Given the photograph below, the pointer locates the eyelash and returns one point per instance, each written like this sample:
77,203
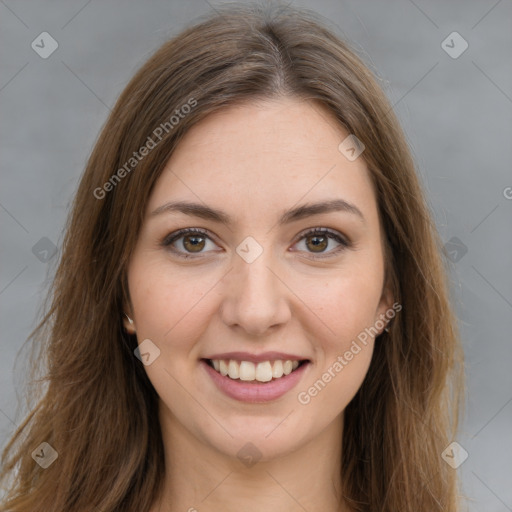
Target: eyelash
345,243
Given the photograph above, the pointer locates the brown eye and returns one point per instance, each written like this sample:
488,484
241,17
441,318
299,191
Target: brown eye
193,241
317,243
317,240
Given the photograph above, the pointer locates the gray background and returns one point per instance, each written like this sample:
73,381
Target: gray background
456,113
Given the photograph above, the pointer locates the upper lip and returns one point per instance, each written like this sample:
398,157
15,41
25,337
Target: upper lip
257,358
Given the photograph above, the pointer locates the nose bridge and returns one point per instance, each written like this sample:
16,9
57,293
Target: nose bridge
255,280
255,299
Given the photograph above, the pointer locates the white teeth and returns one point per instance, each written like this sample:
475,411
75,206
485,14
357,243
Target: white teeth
264,371
223,368
277,370
249,371
233,369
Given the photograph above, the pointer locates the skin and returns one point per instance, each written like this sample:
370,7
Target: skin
254,161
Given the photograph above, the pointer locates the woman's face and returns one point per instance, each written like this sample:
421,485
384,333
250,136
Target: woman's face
265,281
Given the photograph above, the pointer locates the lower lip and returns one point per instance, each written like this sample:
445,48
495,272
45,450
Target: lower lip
255,392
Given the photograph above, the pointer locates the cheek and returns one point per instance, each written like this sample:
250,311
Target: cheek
169,304
345,303
346,306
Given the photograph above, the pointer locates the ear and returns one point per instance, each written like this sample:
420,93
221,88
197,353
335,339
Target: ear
385,310
127,311
128,323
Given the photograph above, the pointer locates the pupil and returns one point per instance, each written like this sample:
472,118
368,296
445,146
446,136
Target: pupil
319,245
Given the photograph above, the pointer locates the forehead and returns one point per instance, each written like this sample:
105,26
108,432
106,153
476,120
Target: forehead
266,155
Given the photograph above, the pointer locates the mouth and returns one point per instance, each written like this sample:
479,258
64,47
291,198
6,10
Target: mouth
248,371
255,382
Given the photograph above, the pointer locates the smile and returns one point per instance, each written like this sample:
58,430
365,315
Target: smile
249,381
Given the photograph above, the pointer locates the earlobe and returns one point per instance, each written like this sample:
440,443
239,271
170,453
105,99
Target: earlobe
383,321
129,326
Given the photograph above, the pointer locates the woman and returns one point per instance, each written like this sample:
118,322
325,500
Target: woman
251,307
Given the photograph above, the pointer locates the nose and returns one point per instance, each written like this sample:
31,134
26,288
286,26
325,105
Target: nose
255,297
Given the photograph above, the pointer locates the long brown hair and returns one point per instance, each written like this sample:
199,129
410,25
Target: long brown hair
98,409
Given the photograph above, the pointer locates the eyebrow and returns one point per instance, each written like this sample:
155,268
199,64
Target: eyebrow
295,214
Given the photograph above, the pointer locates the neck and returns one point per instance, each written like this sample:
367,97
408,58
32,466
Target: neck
202,479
